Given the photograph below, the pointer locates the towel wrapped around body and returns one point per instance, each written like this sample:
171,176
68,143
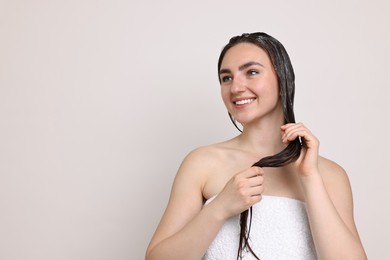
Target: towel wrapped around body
280,230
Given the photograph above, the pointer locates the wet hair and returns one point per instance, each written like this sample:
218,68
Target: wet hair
286,83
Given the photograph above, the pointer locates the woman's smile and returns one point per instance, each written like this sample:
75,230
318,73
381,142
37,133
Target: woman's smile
240,103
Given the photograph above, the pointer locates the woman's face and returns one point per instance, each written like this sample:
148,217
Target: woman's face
249,86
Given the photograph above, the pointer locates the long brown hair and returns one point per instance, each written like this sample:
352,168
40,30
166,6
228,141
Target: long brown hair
286,81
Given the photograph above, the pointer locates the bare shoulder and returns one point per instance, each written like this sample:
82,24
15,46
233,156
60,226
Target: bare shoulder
333,174
212,166
201,160
196,167
200,155
338,186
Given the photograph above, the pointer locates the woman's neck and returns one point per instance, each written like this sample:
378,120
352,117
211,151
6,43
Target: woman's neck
262,138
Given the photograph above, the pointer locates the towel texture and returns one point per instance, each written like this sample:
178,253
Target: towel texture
280,230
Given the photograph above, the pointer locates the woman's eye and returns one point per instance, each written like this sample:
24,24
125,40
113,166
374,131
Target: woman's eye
226,78
252,72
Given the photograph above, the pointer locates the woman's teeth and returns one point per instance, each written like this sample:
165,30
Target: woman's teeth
244,101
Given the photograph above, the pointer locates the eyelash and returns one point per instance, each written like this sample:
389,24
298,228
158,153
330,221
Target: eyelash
226,78
250,72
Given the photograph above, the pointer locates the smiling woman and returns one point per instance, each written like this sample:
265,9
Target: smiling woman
244,67
266,193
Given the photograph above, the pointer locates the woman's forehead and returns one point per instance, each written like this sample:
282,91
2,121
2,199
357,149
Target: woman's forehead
244,52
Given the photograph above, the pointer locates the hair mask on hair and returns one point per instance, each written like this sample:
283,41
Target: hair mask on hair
286,82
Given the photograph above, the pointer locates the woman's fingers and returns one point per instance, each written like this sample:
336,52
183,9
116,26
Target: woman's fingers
246,187
253,171
291,131
254,183
242,191
251,177
307,162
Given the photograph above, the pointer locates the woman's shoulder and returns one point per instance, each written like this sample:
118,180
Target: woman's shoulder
330,169
208,155
335,177
207,159
199,163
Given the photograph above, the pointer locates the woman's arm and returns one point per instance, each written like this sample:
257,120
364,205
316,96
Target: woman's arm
187,228
330,210
328,200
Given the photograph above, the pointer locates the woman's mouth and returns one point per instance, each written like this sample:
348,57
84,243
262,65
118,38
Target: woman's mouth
244,101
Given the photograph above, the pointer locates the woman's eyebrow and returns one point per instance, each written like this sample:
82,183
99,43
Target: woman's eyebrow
224,71
248,64
242,67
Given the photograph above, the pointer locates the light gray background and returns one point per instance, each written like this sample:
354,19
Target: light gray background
101,100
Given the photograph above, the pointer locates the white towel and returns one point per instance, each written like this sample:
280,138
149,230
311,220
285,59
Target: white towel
280,231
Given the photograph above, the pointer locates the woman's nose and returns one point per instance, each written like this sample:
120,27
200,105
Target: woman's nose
238,86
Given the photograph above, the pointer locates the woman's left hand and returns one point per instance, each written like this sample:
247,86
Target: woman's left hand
307,163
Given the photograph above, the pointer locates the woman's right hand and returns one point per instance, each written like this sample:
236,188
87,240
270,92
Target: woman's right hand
242,191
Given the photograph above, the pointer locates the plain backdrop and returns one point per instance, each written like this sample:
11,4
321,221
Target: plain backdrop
101,100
